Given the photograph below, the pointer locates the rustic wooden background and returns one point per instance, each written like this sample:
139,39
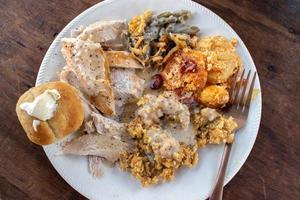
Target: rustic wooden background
269,28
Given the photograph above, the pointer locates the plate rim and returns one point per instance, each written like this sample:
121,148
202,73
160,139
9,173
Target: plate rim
236,168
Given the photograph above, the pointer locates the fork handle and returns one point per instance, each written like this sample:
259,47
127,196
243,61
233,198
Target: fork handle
217,191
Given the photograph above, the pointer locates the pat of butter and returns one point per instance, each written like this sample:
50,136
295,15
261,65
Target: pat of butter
43,106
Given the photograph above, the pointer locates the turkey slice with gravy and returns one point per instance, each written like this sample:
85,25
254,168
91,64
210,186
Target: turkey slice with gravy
96,145
68,75
127,87
107,33
126,84
106,126
89,63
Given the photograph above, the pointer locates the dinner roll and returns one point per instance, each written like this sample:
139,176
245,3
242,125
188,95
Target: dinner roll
67,117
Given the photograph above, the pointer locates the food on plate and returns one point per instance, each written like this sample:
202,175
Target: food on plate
152,171
186,70
164,108
88,61
122,59
148,95
222,58
68,75
96,145
213,96
107,33
213,128
77,31
95,166
114,132
149,35
137,24
126,84
156,82
127,87
106,126
157,155
47,112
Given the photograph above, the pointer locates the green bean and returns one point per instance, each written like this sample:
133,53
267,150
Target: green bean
164,14
184,14
170,28
152,33
190,30
166,20
161,25
162,31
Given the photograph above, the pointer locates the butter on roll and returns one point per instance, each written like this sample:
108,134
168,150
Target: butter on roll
43,106
50,112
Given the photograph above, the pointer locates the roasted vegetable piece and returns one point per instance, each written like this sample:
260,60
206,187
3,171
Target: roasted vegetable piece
213,96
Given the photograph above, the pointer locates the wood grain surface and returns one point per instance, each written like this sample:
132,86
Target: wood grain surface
270,30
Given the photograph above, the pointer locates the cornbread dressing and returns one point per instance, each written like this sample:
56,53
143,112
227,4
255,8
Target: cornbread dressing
213,128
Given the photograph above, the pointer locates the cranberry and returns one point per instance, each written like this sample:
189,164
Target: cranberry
188,66
156,82
178,91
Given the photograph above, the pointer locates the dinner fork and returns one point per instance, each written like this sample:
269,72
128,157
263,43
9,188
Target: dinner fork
239,104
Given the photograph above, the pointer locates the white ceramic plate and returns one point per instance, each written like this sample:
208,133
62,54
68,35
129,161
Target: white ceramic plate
193,184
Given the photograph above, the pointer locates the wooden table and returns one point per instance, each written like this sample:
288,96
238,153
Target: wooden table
268,28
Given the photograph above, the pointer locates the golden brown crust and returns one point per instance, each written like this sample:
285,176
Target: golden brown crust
67,118
44,134
222,58
106,102
122,59
213,96
175,77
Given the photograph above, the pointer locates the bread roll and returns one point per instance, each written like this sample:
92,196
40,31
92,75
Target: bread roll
67,118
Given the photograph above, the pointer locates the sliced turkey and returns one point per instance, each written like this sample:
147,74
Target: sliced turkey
69,76
109,127
96,145
89,63
108,33
127,87
126,84
122,59
95,165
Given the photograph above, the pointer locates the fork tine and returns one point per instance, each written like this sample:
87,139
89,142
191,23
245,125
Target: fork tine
249,96
241,99
233,84
237,89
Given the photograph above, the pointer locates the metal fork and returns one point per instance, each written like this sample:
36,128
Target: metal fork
238,108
